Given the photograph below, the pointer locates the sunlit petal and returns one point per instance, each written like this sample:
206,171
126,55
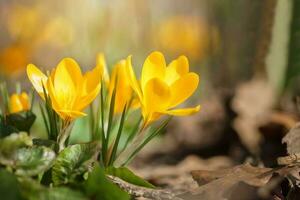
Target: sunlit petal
176,69
154,67
73,70
157,96
52,94
183,111
101,63
183,88
70,114
25,100
132,78
82,102
91,80
36,77
15,104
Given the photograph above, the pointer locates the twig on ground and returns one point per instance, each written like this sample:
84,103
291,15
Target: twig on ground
138,191
287,160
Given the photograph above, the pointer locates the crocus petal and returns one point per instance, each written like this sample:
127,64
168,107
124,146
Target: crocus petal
122,86
176,69
73,70
51,92
183,111
37,78
91,79
101,62
154,67
15,105
157,96
65,84
132,78
70,114
24,100
183,88
82,102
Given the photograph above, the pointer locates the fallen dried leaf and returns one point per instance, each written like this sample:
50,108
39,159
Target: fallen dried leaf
253,103
292,140
239,182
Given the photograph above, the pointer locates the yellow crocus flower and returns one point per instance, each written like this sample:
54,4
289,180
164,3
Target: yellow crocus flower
124,92
162,87
69,90
101,63
19,102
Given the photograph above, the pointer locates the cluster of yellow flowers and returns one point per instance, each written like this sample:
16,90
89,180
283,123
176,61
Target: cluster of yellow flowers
160,89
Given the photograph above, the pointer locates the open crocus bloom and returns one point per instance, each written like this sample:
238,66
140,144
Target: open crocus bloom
70,91
163,87
19,102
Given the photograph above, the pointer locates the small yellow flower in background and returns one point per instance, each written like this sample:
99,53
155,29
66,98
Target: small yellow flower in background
70,91
13,59
24,22
19,102
189,35
162,87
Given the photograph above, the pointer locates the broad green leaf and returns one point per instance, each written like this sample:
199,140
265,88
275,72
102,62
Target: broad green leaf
10,144
61,193
9,188
17,152
21,120
73,161
128,176
32,190
99,187
32,161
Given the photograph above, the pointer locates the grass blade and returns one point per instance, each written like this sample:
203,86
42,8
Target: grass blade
45,119
147,140
133,133
116,144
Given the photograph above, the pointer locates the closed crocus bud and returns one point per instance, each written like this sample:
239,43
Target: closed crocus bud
19,102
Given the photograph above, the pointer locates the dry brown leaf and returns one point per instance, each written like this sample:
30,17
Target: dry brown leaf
292,140
239,182
253,103
177,177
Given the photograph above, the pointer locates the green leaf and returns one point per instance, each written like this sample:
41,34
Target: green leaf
21,120
17,152
61,193
153,134
117,140
74,161
34,191
128,176
10,144
99,188
32,161
9,188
